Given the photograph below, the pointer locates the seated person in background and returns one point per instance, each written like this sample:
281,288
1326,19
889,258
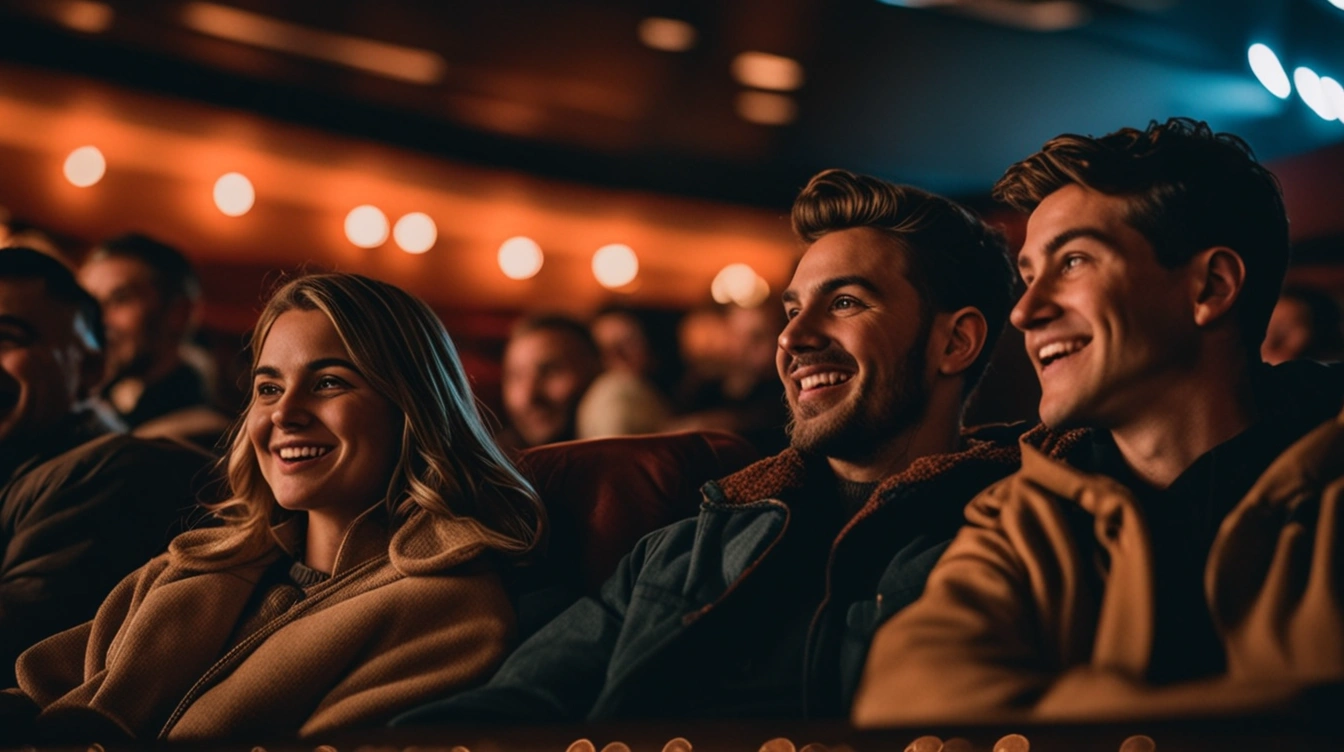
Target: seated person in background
151,302
548,364
748,398
1305,324
764,604
640,366
1158,554
81,504
379,584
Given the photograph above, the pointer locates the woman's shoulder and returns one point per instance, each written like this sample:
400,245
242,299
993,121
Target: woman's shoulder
428,544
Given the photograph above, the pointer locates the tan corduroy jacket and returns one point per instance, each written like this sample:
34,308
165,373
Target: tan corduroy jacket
1007,630
405,617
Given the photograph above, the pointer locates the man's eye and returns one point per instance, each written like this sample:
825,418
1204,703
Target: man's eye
1072,261
790,313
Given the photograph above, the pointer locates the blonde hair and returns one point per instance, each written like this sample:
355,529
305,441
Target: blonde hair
449,465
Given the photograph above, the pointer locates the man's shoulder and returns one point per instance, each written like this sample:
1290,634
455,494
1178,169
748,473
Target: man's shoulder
115,457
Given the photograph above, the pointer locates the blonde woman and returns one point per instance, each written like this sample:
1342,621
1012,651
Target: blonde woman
356,572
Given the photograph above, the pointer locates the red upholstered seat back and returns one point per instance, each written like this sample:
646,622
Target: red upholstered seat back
603,495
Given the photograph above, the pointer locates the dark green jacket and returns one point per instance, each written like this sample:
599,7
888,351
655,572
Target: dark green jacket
628,652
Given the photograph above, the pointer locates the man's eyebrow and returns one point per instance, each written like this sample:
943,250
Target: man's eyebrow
1063,239
316,365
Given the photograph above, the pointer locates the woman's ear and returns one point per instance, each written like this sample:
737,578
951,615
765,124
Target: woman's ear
963,337
1218,277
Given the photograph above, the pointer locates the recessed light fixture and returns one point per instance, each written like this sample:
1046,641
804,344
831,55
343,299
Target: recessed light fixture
415,232
615,265
85,166
1267,68
366,226
667,34
761,70
520,258
234,194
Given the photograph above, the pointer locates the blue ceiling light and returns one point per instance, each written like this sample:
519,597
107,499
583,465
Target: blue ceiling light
1266,66
1338,4
1309,88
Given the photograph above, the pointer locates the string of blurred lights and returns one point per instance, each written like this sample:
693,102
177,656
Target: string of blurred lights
1323,94
615,266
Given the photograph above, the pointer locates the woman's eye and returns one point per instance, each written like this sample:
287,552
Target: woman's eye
329,382
267,390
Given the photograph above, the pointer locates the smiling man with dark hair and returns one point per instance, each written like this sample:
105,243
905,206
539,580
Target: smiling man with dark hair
764,604
1171,543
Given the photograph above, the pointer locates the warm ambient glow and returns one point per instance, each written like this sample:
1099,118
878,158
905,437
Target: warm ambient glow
371,56
366,226
85,166
415,232
84,15
667,34
740,284
762,70
234,194
1309,89
1266,66
520,258
615,265
764,108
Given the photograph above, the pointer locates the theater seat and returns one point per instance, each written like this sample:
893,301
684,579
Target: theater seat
603,495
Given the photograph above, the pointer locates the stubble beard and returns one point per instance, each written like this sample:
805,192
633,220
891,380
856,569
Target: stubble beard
859,426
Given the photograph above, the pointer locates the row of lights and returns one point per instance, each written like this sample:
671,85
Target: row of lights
1323,94
764,75
366,226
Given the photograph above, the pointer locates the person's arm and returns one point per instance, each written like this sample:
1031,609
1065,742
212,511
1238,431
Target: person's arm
78,524
558,673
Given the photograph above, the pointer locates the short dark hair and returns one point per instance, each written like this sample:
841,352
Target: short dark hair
554,322
1188,189
952,258
18,262
173,274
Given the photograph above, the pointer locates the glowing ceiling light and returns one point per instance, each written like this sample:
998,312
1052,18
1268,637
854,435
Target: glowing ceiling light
1338,4
1266,66
764,108
1334,94
415,232
366,226
615,265
667,34
1309,88
84,15
520,258
234,194
762,70
85,166
740,284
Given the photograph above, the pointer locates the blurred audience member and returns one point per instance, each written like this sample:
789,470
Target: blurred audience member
549,362
641,364
1305,324
151,304
749,398
80,505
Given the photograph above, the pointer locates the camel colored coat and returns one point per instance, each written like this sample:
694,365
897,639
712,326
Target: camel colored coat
1008,630
405,616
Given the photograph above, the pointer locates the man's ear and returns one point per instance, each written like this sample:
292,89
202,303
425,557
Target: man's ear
1218,277
963,337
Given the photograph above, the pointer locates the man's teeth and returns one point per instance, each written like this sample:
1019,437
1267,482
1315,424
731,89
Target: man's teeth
830,378
1057,350
301,453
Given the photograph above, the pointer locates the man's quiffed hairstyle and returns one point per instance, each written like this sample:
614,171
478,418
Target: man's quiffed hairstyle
952,258
1188,189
